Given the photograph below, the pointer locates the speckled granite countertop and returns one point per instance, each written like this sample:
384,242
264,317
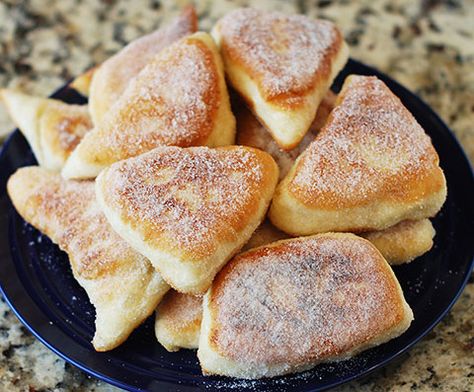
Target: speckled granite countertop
426,45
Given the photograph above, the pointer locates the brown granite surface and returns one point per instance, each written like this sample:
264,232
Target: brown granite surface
426,45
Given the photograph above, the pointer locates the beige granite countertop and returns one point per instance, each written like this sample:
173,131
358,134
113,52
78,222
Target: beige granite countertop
426,45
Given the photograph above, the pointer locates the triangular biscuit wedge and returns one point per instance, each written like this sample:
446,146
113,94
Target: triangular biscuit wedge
122,284
178,321
287,306
25,111
113,75
179,98
282,65
403,242
189,210
251,133
52,128
371,167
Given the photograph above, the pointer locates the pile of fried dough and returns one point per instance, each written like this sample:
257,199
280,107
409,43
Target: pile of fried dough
216,179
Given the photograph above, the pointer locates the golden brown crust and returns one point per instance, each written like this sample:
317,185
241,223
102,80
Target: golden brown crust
121,284
95,249
113,76
178,99
303,301
371,148
166,107
188,201
180,312
62,126
403,242
178,321
286,55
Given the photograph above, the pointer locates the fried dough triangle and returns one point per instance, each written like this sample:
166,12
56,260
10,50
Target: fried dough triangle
290,305
282,65
179,98
111,78
52,128
371,167
121,284
189,210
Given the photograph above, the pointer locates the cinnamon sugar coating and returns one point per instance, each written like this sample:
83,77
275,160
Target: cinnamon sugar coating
179,98
111,78
121,284
188,210
295,303
370,147
287,55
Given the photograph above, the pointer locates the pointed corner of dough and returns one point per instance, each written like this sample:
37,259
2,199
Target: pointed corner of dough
25,110
18,186
82,83
189,15
112,327
22,185
22,108
78,168
119,312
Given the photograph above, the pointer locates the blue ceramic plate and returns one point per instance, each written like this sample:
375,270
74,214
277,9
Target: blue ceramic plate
37,283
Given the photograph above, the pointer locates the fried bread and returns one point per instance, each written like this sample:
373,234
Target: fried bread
189,210
281,65
371,167
251,133
111,78
290,305
52,128
403,242
178,321
121,284
179,98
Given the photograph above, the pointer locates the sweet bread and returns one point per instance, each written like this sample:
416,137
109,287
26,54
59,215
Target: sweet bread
281,65
178,321
121,284
189,210
52,128
290,305
111,78
403,242
179,98
371,167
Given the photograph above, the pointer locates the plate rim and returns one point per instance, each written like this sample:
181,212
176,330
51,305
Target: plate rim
427,329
